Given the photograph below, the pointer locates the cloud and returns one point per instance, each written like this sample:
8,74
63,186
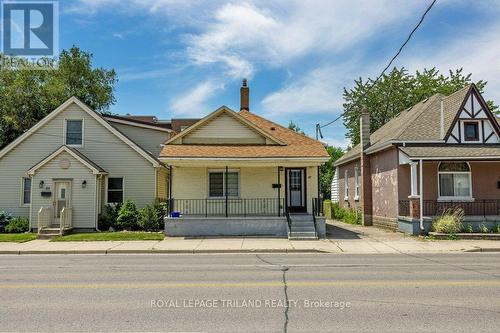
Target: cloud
193,103
245,37
342,142
318,91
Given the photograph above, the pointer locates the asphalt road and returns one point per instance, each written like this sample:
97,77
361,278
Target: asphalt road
251,293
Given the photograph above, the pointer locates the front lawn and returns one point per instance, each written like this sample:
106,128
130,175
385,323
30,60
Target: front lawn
17,238
110,236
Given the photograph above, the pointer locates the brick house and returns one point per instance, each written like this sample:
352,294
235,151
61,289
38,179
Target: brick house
441,153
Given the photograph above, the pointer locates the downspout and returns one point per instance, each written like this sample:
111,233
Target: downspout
318,208
97,203
279,191
32,177
421,181
170,201
225,176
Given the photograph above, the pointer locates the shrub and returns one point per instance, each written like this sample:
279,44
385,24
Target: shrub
496,228
347,215
162,208
450,222
483,228
18,225
127,216
5,217
4,220
327,209
108,217
468,228
150,218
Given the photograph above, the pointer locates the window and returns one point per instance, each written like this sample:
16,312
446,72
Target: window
74,132
471,131
26,196
454,180
346,185
356,183
115,190
217,184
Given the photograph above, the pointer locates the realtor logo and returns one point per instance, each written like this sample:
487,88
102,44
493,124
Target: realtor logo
30,28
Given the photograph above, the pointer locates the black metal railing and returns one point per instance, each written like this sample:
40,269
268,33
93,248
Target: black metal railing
228,207
288,220
487,207
317,205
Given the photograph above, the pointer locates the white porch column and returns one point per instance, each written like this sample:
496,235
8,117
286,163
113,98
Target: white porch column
414,179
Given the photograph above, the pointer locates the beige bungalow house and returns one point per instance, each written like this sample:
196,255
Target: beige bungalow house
61,173
236,173
442,153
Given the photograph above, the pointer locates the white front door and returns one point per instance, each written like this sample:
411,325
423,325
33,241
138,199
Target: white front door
61,198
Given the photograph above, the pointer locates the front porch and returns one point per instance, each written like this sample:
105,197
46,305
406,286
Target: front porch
244,199
243,216
51,225
434,187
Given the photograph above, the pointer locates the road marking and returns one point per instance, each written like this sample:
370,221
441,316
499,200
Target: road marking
356,284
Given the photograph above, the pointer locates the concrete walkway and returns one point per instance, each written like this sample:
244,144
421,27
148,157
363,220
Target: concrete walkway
341,238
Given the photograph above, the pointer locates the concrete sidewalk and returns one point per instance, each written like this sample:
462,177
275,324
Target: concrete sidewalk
341,238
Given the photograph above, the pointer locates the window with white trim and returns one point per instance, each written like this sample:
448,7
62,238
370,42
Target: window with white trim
217,184
26,196
115,190
356,183
74,132
454,180
346,184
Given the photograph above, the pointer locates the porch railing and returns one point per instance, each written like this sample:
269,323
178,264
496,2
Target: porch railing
44,217
317,206
228,207
66,221
488,207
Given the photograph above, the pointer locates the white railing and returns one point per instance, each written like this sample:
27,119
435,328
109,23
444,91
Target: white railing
44,218
66,219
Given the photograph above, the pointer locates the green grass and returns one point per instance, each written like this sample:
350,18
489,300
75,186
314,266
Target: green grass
110,236
17,238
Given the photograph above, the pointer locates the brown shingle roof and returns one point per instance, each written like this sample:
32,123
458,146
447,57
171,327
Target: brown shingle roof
296,145
421,122
452,152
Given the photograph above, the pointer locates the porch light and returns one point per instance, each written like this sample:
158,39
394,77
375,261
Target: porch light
84,184
41,184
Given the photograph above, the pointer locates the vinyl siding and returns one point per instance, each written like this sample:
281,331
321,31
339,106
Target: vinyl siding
149,139
224,129
162,186
100,145
82,200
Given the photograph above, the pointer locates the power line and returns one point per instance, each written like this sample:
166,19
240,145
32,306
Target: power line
319,127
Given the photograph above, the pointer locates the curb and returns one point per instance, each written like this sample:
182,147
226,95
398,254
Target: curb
105,252
484,249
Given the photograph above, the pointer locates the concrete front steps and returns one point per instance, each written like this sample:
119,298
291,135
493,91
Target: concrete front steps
51,232
302,227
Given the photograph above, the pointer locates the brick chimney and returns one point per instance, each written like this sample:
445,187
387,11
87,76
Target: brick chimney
366,176
245,96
